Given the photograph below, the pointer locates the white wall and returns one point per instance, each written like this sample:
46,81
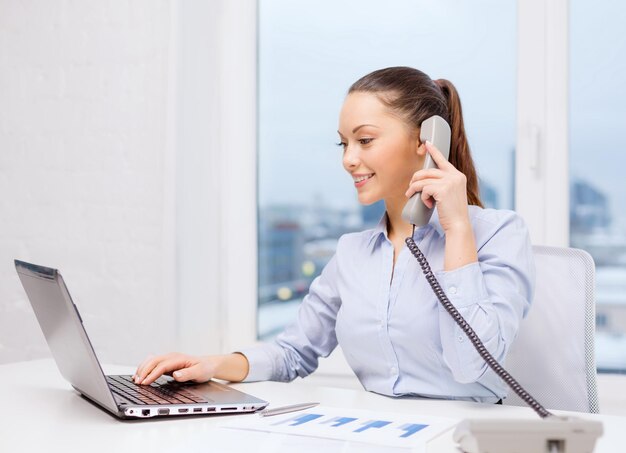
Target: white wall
127,156
87,169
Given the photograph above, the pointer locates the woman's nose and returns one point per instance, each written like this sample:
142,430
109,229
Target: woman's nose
350,158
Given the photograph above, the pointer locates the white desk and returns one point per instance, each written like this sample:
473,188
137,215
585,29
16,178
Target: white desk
42,412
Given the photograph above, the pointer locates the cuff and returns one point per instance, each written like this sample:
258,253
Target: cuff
464,286
260,363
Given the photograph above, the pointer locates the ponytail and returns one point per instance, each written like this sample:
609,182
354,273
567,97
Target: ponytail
460,155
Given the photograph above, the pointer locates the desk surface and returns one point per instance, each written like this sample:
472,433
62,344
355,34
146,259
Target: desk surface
43,413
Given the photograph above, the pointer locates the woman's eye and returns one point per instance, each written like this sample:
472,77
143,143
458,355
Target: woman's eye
365,141
342,144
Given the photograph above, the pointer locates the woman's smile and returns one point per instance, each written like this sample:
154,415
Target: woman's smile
361,179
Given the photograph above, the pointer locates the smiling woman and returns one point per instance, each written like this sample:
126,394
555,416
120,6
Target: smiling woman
325,47
380,152
383,153
370,298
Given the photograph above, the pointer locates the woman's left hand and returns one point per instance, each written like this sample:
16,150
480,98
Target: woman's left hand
447,186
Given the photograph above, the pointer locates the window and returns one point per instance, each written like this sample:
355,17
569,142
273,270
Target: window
309,54
597,162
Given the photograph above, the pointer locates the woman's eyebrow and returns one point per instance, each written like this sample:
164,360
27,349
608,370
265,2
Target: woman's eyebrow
359,127
363,125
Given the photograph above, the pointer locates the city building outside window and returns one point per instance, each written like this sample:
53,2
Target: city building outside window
597,165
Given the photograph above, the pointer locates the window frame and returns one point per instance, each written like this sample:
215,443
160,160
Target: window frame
542,120
214,65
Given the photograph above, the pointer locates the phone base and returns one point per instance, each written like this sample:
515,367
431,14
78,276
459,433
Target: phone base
550,435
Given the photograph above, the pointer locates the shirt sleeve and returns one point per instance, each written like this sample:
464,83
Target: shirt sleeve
296,351
493,295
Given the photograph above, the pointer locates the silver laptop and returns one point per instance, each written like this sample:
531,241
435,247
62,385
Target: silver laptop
64,331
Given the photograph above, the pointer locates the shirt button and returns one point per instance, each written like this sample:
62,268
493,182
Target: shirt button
393,370
452,290
460,338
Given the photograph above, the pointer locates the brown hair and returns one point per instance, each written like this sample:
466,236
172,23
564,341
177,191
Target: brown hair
416,97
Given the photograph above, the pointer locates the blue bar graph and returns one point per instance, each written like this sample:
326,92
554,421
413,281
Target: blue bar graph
372,427
299,420
411,428
372,424
338,421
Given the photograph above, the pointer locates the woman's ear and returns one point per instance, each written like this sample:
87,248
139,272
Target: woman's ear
421,149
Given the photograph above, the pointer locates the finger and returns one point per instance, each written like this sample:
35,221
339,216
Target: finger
427,173
427,199
147,369
439,158
196,373
147,366
141,372
165,366
153,375
418,186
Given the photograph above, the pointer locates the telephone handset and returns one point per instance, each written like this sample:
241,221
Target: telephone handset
437,131
559,434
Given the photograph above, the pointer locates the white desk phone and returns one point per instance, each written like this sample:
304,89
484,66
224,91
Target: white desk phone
552,434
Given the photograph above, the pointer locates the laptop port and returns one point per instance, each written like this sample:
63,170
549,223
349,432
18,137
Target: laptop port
145,412
164,411
182,411
228,409
197,409
210,409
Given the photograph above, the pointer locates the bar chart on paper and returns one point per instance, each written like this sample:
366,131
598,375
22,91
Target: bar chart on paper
389,429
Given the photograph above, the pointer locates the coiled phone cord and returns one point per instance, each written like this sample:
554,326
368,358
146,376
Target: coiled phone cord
467,329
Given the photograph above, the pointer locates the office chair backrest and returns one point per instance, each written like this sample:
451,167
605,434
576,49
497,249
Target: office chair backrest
553,354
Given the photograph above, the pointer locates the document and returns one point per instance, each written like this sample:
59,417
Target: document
362,426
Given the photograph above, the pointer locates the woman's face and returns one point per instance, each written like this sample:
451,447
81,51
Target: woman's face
380,149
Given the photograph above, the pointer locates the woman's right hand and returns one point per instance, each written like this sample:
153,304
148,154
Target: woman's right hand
183,367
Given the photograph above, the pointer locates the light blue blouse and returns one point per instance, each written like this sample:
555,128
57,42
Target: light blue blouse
393,331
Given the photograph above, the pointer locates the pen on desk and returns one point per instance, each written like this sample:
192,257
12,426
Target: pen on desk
286,409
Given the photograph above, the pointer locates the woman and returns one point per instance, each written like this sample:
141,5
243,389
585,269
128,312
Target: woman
372,298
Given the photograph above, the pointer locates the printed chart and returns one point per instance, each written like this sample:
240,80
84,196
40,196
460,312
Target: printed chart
388,429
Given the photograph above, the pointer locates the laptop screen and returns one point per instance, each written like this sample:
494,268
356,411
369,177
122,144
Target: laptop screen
62,326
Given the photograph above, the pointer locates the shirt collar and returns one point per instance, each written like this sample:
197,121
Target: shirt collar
381,228
378,230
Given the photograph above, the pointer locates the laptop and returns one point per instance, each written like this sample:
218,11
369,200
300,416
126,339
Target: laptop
71,348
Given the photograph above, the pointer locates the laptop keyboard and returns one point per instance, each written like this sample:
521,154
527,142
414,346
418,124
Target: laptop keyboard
154,393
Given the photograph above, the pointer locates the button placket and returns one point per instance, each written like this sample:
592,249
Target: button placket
383,313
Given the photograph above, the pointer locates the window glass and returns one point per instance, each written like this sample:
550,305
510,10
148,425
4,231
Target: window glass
310,52
597,182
